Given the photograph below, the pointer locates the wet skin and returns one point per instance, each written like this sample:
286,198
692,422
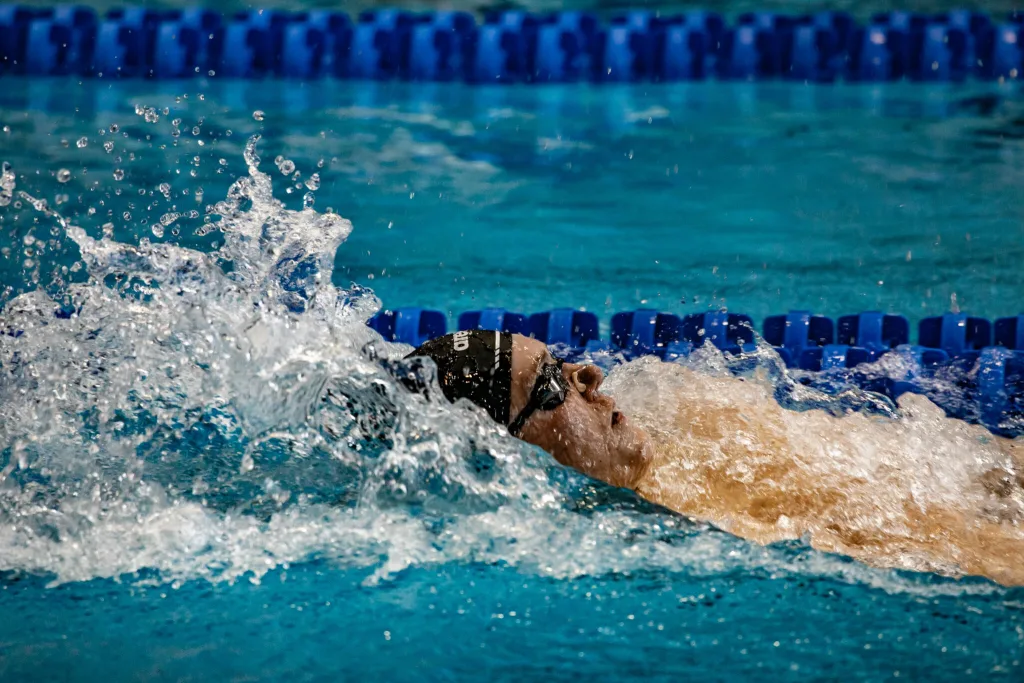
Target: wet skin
586,432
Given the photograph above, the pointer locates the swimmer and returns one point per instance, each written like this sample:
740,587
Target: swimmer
543,400
925,492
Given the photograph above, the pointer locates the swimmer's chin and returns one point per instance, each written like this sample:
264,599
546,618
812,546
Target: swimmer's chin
644,457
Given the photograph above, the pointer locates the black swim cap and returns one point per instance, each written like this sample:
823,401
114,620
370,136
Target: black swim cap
475,364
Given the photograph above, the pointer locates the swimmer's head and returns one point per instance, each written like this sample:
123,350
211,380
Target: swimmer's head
544,401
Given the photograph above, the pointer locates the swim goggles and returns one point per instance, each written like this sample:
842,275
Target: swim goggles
549,392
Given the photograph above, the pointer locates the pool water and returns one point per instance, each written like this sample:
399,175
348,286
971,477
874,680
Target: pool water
181,496
758,197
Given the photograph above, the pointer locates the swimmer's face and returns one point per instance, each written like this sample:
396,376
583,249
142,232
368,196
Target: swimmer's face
585,432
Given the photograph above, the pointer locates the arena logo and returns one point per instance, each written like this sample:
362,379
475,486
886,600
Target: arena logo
460,340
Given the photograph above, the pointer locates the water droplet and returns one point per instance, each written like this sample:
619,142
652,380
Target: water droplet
313,182
109,146
118,174
114,128
258,115
63,175
82,142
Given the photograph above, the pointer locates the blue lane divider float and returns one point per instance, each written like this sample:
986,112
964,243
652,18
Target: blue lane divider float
798,333
730,332
494,319
410,325
509,46
988,358
569,328
644,332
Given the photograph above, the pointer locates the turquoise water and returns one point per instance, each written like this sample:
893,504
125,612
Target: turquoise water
184,495
760,198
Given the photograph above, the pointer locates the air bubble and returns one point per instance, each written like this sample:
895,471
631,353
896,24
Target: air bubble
118,174
308,200
82,142
109,146
258,115
287,167
63,175
114,128
313,182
